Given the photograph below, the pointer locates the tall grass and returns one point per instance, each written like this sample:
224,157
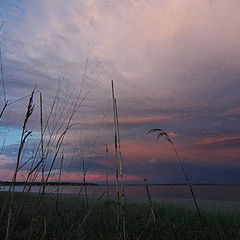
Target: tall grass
74,221
59,181
162,133
25,134
2,74
119,169
54,126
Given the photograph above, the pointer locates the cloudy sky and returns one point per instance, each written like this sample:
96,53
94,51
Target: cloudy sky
175,66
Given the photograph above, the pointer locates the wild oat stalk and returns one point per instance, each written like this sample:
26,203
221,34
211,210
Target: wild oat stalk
25,134
162,133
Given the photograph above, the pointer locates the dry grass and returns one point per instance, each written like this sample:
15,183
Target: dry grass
162,133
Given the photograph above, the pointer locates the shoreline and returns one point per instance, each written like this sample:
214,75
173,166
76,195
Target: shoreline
6,183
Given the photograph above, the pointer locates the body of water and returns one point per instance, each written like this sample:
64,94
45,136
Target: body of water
157,192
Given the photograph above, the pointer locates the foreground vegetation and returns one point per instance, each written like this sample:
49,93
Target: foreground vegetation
75,218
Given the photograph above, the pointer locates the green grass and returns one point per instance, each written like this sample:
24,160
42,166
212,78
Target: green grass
65,223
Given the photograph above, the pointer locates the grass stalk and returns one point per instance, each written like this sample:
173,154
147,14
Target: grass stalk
42,168
150,201
164,134
84,181
116,163
145,228
121,174
2,75
174,229
3,109
59,181
91,210
107,150
25,134
107,186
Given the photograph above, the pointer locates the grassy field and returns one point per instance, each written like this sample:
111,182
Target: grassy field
76,219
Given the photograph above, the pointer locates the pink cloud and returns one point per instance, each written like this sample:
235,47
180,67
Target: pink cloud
217,140
144,119
142,152
92,177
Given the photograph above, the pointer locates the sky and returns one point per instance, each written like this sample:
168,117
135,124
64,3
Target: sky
175,66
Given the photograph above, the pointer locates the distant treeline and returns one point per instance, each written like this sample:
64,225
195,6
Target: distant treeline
7,183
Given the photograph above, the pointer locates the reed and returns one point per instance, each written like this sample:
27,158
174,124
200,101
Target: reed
116,163
150,201
162,133
59,181
25,134
43,169
106,151
84,181
121,174
119,168
2,75
1,69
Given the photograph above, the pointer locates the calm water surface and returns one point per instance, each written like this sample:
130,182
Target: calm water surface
158,192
